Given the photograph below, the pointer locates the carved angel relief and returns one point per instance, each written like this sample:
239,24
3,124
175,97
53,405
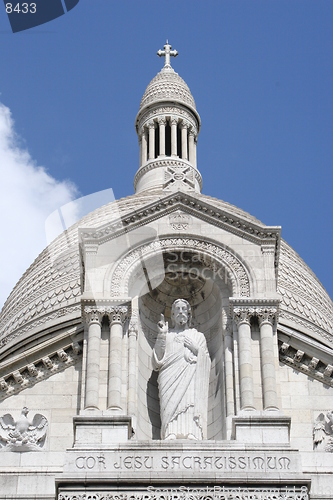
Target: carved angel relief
323,432
22,435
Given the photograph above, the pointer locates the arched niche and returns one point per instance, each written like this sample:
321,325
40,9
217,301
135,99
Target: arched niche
208,292
223,262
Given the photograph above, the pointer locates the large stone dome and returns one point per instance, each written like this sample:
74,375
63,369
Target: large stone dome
49,293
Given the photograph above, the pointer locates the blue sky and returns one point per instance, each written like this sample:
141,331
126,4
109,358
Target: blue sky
261,73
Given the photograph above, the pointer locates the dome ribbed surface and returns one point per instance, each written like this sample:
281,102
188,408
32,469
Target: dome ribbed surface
167,86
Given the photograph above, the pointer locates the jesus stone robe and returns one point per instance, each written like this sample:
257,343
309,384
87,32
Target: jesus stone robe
183,382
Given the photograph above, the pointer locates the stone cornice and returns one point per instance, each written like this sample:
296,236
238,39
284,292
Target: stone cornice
194,206
13,380
305,354
305,362
254,302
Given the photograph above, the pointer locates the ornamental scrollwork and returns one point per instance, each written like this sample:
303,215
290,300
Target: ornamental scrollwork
185,493
236,272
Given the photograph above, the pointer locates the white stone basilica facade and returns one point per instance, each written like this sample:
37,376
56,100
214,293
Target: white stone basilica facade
111,388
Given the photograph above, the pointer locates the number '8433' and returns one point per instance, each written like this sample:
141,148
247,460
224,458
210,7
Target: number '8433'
25,8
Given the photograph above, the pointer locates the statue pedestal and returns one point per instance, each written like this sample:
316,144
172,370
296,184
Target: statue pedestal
101,430
262,428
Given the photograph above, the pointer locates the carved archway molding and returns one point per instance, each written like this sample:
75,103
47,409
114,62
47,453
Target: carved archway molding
116,282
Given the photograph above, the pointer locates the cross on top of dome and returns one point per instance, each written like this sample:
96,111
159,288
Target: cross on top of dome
167,52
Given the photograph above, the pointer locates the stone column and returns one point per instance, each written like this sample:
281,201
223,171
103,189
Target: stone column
174,123
266,317
184,141
117,316
151,128
242,316
162,124
229,372
143,147
93,318
191,156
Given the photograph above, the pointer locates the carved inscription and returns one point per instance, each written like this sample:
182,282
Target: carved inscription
183,462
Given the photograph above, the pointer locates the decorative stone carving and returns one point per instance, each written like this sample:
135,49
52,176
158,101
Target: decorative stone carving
298,356
117,314
182,360
22,435
62,355
313,363
76,347
47,363
284,348
266,314
195,493
311,366
220,214
157,112
3,385
178,177
18,377
323,432
243,314
328,371
32,370
41,369
236,272
179,221
162,121
94,314
173,164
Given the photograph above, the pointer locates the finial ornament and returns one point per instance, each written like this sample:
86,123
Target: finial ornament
167,52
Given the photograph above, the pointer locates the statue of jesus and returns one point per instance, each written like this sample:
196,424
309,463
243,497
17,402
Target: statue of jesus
182,360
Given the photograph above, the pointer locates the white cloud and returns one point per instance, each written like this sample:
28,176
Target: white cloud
28,194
